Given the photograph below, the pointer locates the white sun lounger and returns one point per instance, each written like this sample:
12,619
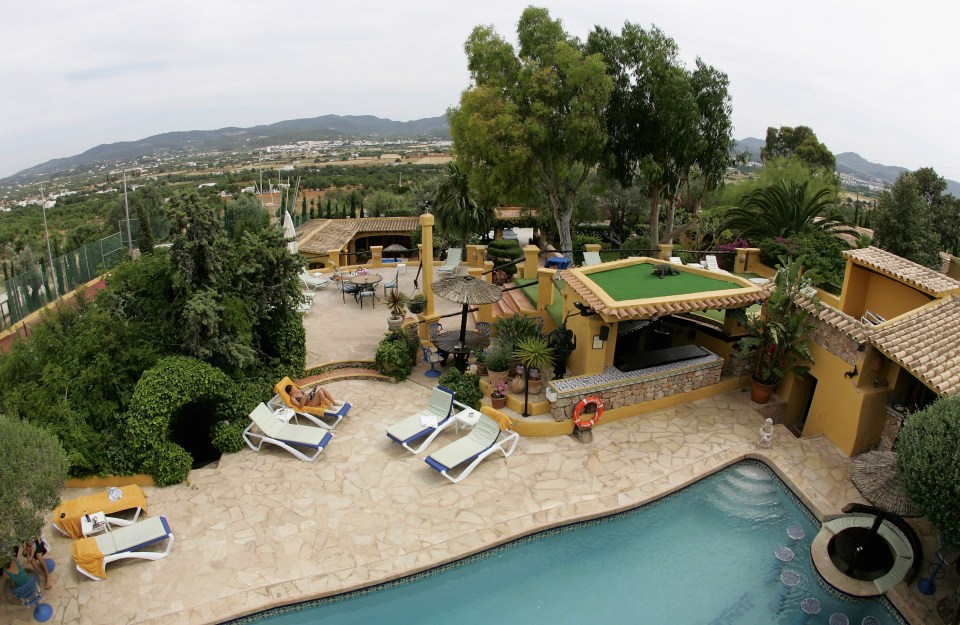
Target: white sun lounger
423,427
129,541
313,282
265,427
453,261
591,258
470,450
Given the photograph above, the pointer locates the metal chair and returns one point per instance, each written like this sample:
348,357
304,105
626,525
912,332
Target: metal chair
348,287
432,357
368,291
391,285
434,329
483,328
30,596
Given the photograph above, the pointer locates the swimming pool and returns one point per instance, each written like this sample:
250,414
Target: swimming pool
734,548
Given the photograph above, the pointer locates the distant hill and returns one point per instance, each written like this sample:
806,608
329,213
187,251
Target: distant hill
231,138
847,163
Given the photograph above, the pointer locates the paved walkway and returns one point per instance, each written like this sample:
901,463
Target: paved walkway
265,529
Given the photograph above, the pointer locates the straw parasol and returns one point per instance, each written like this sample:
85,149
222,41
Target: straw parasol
289,232
466,290
876,476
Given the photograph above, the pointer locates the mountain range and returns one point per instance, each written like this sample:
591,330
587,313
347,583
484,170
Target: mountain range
348,127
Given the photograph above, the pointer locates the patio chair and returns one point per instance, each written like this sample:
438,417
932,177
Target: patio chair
451,263
93,554
29,595
433,329
425,425
313,282
470,450
483,328
676,260
265,427
711,264
432,357
126,499
304,306
591,258
349,288
317,415
367,292
393,284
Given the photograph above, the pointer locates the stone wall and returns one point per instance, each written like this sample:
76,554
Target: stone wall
737,365
643,389
835,341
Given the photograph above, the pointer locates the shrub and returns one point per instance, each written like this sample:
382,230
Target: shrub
504,250
393,356
580,242
498,357
465,385
638,242
227,436
513,329
928,456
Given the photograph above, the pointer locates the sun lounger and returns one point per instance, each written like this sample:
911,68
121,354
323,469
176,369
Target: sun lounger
316,414
130,498
312,282
93,554
266,427
423,427
453,261
676,260
591,258
470,450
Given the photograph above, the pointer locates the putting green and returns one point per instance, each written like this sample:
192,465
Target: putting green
639,282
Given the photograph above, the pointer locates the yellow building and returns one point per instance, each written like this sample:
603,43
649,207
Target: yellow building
888,346
346,241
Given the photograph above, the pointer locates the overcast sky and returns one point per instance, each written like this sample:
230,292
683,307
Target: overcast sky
879,78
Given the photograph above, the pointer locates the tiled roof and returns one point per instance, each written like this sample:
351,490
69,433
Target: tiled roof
926,342
653,307
835,318
905,270
317,236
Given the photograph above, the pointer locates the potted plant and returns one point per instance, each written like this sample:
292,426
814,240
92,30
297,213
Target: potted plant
480,358
535,354
393,356
778,336
396,303
417,303
499,395
498,362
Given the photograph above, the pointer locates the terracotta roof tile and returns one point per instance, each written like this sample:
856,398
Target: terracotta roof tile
317,236
833,317
926,342
905,270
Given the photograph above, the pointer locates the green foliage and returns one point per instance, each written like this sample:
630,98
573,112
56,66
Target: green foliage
779,336
501,251
534,353
638,242
510,330
531,123
393,356
396,302
33,468
580,243
227,436
244,214
800,142
498,356
159,395
785,209
906,218
458,209
928,457
822,254
465,385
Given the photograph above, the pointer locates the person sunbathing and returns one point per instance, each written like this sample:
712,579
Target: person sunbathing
315,397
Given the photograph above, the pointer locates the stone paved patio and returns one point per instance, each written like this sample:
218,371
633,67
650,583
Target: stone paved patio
264,529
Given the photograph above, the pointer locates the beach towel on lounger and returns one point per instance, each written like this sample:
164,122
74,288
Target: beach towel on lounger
68,514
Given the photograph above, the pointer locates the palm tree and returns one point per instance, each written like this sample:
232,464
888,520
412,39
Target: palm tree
457,209
784,209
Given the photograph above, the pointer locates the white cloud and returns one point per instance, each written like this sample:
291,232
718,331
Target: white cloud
871,77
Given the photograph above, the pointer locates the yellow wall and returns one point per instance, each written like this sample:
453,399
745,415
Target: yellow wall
868,290
585,360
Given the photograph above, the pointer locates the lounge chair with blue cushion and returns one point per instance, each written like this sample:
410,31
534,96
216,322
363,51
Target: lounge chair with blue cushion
93,554
316,414
469,451
420,429
267,427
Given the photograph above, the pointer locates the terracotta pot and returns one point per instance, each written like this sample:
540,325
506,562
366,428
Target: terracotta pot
760,392
496,376
498,402
536,386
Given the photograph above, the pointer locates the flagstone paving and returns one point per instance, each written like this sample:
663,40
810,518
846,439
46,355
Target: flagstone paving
265,529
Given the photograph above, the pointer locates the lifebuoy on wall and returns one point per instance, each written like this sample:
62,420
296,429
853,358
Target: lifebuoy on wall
589,400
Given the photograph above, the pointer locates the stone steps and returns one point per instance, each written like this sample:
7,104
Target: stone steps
344,373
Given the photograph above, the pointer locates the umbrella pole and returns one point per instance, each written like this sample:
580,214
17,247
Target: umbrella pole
463,324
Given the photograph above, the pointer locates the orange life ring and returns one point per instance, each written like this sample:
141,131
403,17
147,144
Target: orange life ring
592,400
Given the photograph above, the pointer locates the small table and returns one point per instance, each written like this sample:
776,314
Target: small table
96,524
467,417
368,284
560,262
450,342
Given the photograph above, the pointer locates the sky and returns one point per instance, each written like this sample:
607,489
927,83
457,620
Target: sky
878,78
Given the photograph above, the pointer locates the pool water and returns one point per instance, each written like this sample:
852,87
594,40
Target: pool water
733,548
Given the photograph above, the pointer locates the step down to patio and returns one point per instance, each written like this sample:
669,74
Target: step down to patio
347,373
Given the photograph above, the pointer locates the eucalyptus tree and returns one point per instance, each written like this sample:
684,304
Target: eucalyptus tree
904,221
531,121
666,124
800,142
459,210
784,209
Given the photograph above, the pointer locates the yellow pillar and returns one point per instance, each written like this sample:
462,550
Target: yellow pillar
590,357
666,250
376,255
745,257
426,260
334,256
530,255
476,254
485,313
545,288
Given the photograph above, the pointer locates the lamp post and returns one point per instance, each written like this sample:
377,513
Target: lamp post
126,210
46,234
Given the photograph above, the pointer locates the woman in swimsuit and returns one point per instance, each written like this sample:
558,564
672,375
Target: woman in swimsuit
317,397
17,575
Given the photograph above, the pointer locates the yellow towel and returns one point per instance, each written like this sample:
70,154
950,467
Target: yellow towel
502,420
280,389
67,515
87,555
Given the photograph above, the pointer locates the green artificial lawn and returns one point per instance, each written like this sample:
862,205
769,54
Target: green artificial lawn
555,309
638,282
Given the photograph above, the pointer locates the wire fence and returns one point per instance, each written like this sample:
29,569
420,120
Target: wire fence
41,284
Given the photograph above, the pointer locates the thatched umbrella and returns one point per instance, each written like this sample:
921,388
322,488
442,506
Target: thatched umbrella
876,476
468,291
